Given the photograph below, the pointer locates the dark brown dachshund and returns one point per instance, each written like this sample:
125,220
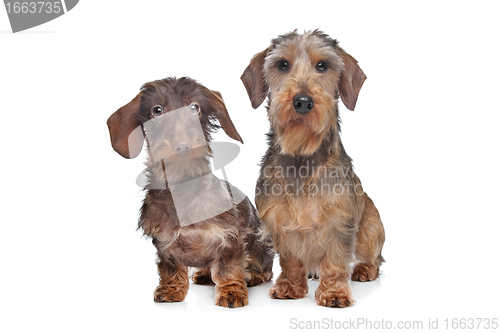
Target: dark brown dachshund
309,198
193,218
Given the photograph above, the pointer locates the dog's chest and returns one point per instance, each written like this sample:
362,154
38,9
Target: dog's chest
197,245
304,195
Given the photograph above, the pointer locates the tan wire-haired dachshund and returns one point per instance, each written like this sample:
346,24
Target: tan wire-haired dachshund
309,198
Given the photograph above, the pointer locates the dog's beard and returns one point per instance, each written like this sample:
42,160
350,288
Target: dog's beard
298,139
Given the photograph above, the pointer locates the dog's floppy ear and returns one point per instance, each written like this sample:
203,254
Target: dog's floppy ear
351,80
125,130
253,79
222,115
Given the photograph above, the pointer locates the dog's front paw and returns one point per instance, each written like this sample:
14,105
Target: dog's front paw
287,290
170,293
333,298
233,298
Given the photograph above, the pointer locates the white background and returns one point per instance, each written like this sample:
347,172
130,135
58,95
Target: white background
424,139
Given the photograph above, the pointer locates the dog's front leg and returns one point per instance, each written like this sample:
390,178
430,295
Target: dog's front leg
174,281
334,289
292,282
228,274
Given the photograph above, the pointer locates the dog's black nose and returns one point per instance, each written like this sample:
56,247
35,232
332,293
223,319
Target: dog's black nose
303,103
182,147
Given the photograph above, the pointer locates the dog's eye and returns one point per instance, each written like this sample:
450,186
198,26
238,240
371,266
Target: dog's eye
194,108
283,65
321,66
156,111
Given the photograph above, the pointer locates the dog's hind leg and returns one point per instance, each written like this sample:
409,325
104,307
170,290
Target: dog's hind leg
258,273
203,276
369,242
260,263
